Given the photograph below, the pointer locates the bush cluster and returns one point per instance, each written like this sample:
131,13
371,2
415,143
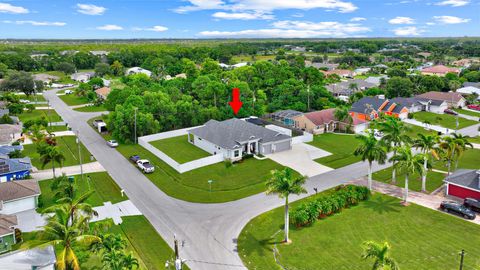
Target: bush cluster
344,197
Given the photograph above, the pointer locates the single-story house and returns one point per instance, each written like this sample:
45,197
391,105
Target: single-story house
468,90
7,232
466,62
432,105
376,80
369,108
45,78
102,93
9,133
349,87
454,100
327,66
30,259
235,138
137,70
285,116
99,53
18,196
316,122
82,76
226,66
342,73
464,183
439,70
14,168
362,70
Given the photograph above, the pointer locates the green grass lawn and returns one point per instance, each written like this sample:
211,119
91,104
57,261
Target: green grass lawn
50,115
421,238
467,112
413,131
474,140
179,149
239,181
443,120
68,147
341,147
469,160
57,128
434,179
32,97
72,99
99,108
106,190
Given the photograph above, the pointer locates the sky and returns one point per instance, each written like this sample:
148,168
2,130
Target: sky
109,19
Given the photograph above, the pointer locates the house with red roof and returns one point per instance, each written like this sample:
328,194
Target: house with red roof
439,70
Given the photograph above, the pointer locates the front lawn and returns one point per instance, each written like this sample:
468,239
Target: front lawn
474,140
421,238
57,128
106,190
99,108
238,181
341,147
49,115
469,160
443,120
468,112
32,98
434,179
68,147
179,149
73,99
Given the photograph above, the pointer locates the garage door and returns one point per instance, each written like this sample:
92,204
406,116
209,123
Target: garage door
18,206
266,149
283,146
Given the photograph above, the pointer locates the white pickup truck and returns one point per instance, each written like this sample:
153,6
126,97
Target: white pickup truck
145,166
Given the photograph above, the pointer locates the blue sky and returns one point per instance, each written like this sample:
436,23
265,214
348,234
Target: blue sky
238,18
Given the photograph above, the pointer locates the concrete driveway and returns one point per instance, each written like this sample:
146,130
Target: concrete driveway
301,158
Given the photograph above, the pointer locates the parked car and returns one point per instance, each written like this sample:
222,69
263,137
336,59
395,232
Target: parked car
112,143
474,107
145,166
134,158
24,101
68,92
456,208
472,204
449,111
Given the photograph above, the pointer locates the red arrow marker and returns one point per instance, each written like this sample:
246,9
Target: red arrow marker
236,104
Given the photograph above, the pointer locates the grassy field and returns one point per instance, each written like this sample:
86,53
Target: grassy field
72,99
341,147
469,160
434,179
443,120
106,190
467,112
100,108
50,115
421,238
179,149
239,181
68,147
32,97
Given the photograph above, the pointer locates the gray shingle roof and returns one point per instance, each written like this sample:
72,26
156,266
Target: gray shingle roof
361,105
229,133
465,178
6,224
286,114
18,189
474,84
17,164
7,149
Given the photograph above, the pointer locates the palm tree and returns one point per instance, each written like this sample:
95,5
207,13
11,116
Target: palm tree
63,186
75,205
453,147
408,163
381,255
284,182
462,142
428,144
342,114
371,150
394,136
52,155
64,237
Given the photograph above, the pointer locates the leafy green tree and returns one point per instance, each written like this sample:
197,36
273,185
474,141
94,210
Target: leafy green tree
19,81
408,163
117,68
96,82
284,183
380,253
52,154
102,69
371,150
3,70
342,114
399,87
65,67
429,146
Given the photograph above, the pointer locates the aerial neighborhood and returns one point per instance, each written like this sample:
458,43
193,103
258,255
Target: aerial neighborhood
296,146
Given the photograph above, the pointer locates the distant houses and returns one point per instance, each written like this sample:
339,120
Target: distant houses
439,70
342,73
453,99
82,76
234,66
45,78
102,93
138,70
348,87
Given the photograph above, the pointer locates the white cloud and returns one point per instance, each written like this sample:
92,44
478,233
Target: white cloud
266,6
37,23
408,31
401,20
450,19
453,3
298,15
90,9
8,8
110,27
156,28
243,16
358,19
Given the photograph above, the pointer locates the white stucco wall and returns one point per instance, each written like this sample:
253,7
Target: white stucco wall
208,146
278,129
20,205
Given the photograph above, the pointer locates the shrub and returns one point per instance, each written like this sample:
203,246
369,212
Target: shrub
228,163
410,116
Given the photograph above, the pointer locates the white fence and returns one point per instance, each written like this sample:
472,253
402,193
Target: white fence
181,168
278,129
306,137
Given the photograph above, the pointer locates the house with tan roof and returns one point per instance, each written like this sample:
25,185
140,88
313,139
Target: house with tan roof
7,232
324,121
453,99
439,70
18,196
102,93
342,73
45,78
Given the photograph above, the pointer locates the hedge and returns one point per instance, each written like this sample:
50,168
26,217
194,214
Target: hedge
344,197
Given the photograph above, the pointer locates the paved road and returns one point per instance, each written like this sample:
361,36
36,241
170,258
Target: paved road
209,230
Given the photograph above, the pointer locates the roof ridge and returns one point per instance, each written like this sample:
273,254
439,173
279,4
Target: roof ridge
18,183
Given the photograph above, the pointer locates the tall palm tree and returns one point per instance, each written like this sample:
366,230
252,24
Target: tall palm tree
394,136
370,149
462,143
75,205
284,182
452,149
64,237
408,163
52,155
381,255
342,114
63,186
428,145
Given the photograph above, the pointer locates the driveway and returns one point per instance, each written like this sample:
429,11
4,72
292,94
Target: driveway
301,158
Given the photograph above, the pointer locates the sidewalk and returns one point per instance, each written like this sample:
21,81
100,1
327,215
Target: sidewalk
425,200
432,127
72,170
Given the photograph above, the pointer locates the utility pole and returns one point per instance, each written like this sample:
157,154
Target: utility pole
462,255
80,155
136,125
308,97
177,261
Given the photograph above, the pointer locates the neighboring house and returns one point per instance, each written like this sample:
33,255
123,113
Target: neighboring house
18,196
468,90
138,70
327,66
285,116
299,49
3,104
376,80
99,53
7,234
226,66
82,76
106,82
102,93
424,54
467,62
235,138
369,108
14,168
45,78
432,105
5,150
316,122
454,100
361,71
9,133
474,84
38,55
439,70
30,259
69,52
464,183
342,73
344,88
181,75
